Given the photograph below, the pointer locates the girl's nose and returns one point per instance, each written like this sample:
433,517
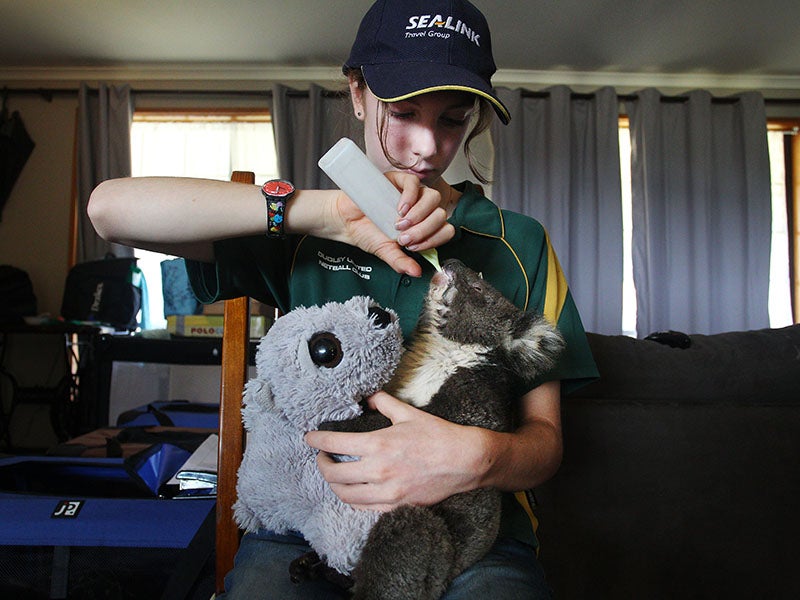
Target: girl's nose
424,142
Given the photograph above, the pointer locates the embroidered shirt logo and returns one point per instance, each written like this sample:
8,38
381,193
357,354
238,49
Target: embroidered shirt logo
67,509
343,263
97,297
440,26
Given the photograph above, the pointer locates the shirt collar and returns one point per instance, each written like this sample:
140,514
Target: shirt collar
475,212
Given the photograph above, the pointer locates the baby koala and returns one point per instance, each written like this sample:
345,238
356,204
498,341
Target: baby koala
470,357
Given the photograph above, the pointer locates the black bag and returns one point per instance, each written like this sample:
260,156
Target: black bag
17,299
107,292
15,149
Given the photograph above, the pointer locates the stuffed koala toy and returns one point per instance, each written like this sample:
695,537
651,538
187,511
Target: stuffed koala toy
471,354
315,364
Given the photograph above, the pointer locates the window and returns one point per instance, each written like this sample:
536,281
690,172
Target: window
204,144
628,287
780,298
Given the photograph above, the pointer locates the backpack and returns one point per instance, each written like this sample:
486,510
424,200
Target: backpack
106,292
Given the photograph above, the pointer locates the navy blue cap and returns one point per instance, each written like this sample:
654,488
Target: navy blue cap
406,48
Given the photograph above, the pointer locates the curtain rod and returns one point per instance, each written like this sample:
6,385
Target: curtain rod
49,93
678,98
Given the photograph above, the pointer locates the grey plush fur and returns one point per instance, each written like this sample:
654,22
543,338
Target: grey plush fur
472,353
315,364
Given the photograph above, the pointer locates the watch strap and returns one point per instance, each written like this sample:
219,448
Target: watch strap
275,211
277,193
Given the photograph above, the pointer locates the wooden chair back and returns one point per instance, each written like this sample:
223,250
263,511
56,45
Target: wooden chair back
235,341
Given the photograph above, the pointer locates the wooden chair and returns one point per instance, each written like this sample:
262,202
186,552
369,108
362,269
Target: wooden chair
235,341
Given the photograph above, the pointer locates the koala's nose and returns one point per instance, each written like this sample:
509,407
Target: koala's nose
379,316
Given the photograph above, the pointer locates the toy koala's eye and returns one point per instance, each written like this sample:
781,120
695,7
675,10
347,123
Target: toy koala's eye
325,349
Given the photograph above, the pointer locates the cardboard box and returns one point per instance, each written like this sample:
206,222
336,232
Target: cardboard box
256,308
212,325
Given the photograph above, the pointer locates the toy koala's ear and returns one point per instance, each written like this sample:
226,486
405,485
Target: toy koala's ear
257,392
533,347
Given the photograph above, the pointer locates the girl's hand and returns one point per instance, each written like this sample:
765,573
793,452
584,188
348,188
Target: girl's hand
421,459
422,224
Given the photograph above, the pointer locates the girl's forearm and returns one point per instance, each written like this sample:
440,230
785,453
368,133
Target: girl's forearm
185,216
532,453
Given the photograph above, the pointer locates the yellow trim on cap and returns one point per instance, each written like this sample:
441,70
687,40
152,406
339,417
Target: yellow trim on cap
444,88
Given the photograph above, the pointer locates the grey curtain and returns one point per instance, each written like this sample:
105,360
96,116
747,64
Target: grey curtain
306,124
558,162
701,212
104,152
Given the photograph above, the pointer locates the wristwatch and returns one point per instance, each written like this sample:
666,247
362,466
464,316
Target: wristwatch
277,193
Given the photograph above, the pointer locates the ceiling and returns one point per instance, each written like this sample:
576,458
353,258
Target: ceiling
720,38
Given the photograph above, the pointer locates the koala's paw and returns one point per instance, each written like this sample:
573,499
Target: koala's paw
369,420
310,567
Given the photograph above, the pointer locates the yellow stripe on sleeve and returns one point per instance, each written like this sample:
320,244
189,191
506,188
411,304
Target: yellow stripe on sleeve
556,292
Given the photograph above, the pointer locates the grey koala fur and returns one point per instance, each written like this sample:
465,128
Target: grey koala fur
315,364
471,354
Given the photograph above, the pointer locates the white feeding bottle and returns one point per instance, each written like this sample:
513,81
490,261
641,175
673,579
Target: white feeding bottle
350,169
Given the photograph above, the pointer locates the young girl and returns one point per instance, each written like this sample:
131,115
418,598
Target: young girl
420,80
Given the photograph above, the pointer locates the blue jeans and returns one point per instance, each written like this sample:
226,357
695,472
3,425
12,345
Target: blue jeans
510,571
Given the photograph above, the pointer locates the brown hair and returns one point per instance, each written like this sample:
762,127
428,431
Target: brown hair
485,115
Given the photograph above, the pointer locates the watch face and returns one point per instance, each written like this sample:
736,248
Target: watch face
278,188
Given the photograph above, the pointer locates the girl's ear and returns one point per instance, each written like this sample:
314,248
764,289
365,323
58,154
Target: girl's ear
357,98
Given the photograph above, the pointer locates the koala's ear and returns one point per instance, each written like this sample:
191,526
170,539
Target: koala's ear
533,347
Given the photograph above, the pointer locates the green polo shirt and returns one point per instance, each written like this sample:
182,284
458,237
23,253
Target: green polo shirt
512,252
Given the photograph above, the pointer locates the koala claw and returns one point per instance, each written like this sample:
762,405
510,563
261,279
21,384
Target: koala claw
310,567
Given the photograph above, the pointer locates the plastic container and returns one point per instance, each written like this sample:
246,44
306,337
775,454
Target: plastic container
351,170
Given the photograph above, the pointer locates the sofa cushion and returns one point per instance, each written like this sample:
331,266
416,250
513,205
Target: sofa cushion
760,367
679,477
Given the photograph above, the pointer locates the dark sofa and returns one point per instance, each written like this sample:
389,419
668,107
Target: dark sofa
681,472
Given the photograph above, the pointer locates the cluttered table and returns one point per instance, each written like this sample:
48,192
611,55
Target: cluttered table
79,400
